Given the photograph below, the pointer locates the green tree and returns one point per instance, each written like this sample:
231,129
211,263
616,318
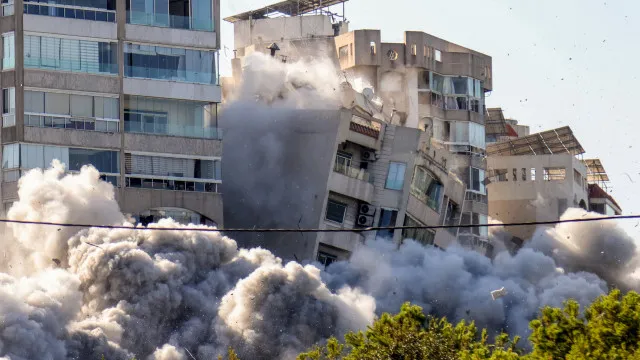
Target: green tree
412,335
609,329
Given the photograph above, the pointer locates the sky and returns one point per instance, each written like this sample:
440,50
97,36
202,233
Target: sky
555,63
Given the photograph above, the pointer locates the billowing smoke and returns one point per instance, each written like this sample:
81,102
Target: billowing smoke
152,294
72,293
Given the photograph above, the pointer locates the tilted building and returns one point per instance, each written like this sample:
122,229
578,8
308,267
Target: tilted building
428,155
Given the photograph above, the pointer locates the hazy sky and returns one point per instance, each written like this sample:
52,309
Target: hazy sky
555,63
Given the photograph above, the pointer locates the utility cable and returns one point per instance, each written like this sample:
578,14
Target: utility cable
302,230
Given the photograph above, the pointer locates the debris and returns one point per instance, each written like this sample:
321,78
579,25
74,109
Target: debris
496,294
56,261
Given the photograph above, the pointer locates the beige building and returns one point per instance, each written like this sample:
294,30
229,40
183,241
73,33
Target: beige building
128,86
429,154
538,176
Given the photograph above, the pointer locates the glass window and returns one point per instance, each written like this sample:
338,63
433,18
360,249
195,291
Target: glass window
426,187
477,181
105,161
8,107
99,10
81,105
326,259
387,219
554,173
335,211
9,51
170,117
56,103
423,236
437,82
395,177
7,7
202,15
157,62
438,55
459,85
11,156
70,55
179,14
34,101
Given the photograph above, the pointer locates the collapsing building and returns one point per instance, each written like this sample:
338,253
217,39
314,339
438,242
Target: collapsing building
537,177
416,159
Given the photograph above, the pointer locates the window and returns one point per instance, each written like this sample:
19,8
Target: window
71,111
326,259
85,56
423,236
515,174
395,177
7,7
475,219
179,14
414,50
524,174
477,180
438,55
452,216
8,107
9,51
387,219
96,10
165,63
335,211
372,46
468,133
533,174
577,177
554,173
426,187
499,174
169,173
170,117
343,52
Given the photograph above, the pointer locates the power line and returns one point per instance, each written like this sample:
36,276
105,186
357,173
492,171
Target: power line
298,230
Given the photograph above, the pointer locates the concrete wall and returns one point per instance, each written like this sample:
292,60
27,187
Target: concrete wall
69,137
249,32
168,36
275,173
533,200
172,90
172,145
70,27
135,201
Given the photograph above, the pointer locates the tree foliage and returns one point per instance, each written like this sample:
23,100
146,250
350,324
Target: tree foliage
609,329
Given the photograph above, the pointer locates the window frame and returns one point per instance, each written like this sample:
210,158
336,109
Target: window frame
337,203
398,179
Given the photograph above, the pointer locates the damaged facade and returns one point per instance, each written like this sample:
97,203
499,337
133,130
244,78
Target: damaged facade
407,148
537,177
131,89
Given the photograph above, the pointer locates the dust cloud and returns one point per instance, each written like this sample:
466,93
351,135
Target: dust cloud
74,293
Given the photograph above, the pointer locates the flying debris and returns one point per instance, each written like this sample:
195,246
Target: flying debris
496,294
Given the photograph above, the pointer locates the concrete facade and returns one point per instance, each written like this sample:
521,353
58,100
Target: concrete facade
415,127
170,191
533,195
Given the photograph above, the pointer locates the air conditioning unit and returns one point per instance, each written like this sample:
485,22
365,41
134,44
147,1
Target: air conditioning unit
368,156
367,209
365,220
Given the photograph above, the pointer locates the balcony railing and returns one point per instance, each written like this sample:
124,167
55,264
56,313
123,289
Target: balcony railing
476,197
70,12
346,169
71,122
158,183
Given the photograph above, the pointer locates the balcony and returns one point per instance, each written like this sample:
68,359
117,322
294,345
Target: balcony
352,182
365,133
343,240
476,203
418,209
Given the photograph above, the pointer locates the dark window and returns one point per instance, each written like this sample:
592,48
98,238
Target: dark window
326,259
335,211
387,219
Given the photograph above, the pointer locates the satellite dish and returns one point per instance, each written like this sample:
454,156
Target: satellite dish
393,55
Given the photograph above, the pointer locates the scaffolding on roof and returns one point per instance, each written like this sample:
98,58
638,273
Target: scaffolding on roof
290,8
596,173
556,141
495,123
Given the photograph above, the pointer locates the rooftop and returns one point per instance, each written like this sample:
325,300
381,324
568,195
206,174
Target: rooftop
595,171
556,141
597,192
285,8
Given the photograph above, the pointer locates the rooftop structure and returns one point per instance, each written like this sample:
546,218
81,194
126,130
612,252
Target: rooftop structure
556,141
288,8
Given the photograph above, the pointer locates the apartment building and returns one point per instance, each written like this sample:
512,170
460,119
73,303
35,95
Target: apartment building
538,176
335,169
128,86
425,83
